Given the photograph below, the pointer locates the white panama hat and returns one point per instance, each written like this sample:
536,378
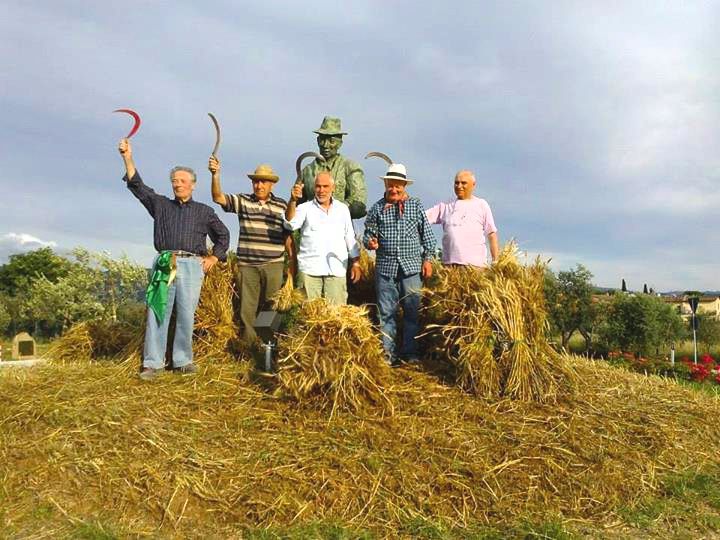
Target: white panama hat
396,171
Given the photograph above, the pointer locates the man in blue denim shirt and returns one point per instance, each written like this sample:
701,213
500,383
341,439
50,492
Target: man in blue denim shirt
396,226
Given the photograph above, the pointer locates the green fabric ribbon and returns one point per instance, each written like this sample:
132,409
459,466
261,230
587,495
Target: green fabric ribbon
156,295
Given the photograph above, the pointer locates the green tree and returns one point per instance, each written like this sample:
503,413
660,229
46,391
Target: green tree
72,298
569,301
22,269
95,286
123,283
708,332
4,316
639,323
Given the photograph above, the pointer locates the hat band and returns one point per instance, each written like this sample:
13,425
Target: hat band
398,174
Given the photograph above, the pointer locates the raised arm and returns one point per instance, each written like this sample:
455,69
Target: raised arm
126,153
137,187
217,193
296,194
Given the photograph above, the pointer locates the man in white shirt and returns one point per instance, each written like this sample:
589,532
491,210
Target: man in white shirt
327,241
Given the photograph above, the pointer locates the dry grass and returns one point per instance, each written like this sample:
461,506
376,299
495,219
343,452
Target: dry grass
287,296
363,292
334,354
211,455
491,326
91,339
208,456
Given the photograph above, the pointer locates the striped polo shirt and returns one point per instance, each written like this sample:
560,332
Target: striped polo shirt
263,227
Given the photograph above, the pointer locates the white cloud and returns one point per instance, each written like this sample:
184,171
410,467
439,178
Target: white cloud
12,243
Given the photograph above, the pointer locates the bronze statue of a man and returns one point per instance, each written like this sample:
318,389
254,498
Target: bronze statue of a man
349,177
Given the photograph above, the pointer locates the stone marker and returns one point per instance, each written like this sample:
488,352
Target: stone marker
23,347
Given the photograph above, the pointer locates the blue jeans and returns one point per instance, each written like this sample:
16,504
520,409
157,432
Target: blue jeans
184,294
391,292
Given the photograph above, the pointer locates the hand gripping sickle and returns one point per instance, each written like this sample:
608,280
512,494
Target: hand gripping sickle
298,164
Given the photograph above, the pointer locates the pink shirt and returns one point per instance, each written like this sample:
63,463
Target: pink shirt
465,224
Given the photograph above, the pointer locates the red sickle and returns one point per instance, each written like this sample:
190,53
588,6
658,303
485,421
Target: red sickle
135,116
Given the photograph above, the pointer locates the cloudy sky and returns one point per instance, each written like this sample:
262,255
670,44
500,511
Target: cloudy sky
593,127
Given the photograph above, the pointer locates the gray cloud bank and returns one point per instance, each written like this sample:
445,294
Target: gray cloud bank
591,126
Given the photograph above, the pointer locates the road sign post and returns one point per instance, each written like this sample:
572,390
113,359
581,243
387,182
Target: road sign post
693,301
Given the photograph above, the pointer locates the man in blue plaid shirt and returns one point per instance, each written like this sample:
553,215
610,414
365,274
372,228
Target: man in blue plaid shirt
396,226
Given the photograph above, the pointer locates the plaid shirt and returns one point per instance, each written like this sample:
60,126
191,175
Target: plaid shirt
405,240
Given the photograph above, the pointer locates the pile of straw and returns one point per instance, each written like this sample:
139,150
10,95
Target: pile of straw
363,292
209,457
333,353
491,325
215,335
88,340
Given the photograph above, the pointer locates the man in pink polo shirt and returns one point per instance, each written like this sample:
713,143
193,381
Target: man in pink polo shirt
466,221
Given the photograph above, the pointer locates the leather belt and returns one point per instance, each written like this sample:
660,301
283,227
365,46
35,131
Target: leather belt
180,253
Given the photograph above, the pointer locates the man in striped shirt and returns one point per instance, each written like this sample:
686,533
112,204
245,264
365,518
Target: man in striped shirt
262,243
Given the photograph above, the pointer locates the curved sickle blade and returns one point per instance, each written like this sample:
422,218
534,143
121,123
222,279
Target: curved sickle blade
135,116
380,155
298,162
217,133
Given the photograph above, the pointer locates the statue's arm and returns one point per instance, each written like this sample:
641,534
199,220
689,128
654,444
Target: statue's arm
355,190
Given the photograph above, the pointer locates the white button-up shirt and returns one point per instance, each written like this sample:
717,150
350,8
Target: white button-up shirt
327,238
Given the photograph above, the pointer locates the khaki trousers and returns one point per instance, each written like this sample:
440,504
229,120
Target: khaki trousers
256,284
332,288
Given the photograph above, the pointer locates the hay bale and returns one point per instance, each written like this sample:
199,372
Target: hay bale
334,354
75,345
91,340
491,326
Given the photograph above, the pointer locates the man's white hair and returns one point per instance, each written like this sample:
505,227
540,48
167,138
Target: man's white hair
465,172
184,169
325,173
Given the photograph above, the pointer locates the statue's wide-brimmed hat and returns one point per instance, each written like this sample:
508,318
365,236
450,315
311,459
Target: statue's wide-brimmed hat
396,171
264,172
330,126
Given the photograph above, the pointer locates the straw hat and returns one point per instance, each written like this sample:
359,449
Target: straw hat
330,126
396,171
264,172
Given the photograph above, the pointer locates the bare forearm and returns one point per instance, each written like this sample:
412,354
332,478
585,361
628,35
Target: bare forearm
217,193
494,249
129,166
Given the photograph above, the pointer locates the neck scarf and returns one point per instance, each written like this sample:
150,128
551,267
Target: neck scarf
400,204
